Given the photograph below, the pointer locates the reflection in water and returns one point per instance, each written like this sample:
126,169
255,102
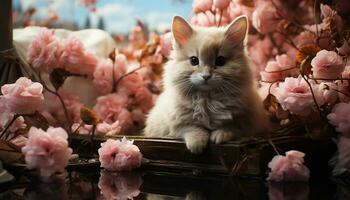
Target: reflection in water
288,191
121,186
149,185
56,189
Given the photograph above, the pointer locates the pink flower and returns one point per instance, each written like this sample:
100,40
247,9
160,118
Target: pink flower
20,141
340,118
137,37
305,37
295,95
120,64
125,119
344,85
221,4
279,69
131,84
103,76
47,151
75,58
265,18
143,99
102,129
121,186
119,155
344,153
105,128
288,168
205,19
325,93
54,107
327,64
18,124
166,44
110,106
44,50
331,16
202,5
23,96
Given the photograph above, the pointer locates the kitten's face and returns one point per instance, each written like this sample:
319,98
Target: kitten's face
209,58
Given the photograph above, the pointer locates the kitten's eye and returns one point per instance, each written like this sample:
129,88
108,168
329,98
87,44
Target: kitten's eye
220,61
194,61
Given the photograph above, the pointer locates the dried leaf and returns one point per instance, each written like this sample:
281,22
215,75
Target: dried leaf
9,152
305,66
247,3
58,76
153,88
308,50
89,116
271,101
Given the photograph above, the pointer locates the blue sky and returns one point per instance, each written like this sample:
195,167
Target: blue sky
119,15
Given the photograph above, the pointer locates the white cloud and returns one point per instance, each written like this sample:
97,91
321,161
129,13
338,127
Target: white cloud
159,21
114,9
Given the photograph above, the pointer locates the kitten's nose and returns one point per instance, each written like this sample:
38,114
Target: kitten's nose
206,76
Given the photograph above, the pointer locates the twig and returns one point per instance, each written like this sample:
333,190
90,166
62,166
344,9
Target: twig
3,133
220,18
329,79
273,146
282,70
61,101
343,93
313,96
125,75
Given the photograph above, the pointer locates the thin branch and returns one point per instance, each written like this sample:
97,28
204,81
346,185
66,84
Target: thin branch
282,70
3,133
343,93
125,75
61,101
273,146
313,95
220,18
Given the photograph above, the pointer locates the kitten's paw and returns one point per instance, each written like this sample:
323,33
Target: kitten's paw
219,136
196,141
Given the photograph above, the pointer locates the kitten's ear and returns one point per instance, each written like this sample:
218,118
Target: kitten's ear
182,31
237,30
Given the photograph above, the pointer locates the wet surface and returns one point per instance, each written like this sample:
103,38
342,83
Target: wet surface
95,184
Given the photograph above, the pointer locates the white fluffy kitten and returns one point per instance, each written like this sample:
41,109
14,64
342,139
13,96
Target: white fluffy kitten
209,92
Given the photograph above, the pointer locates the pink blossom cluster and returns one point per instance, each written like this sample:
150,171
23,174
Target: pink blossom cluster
47,151
125,96
288,168
119,155
19,98
46,53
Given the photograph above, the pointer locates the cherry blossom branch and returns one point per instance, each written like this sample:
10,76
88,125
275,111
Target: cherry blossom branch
343,93
220,18
3,133
329,79
273,146
282,70
127,74
61,101
313,95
